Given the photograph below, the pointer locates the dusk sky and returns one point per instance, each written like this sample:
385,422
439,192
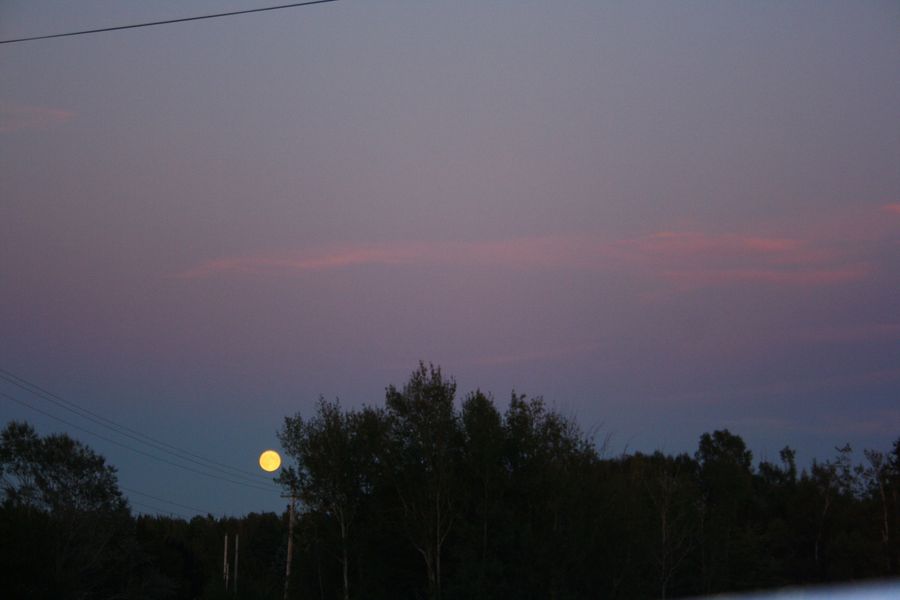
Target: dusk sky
665,218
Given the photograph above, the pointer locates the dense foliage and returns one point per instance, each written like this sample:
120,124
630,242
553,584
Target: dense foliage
65,529
432,497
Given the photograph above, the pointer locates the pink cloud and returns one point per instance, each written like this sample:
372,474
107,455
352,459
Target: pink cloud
16,117
858,225
667,248
298,263
690,243
686,259
805,277
697,259
516,253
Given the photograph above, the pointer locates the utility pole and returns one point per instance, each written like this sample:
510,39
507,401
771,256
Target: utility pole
237,539
225,564
290,545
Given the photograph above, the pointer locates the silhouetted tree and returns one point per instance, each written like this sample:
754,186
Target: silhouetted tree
726,480
335,452
66,529
512,504
423,457
484,481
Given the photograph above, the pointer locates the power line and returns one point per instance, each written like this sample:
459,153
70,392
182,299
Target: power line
158,499
127,447
207,463
126,431
167,22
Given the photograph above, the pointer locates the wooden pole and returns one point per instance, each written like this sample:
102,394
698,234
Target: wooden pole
225,564
237,539
290,546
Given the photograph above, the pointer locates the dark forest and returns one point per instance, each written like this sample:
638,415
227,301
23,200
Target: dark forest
433,496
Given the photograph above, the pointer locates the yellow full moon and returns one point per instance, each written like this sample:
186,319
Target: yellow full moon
269,461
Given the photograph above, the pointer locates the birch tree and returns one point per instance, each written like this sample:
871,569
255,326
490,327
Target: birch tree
424,456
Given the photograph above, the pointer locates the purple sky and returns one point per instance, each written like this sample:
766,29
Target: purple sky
664,217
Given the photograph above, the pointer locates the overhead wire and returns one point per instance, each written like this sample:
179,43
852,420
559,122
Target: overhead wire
128,432
123,430
127,447
122,487
158,499
166,22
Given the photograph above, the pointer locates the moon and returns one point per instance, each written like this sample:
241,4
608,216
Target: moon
269,461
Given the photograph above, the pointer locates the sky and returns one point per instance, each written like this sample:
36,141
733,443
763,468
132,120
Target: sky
665,218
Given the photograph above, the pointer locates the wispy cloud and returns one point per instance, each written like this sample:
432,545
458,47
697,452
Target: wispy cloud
698,259
684,259
893,209
17,117
316,261
547,252
681,244
801,277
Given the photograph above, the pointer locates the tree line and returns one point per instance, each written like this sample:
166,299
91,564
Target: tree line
431,497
